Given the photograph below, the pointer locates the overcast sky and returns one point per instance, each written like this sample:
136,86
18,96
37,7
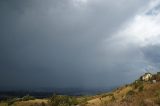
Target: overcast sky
77,43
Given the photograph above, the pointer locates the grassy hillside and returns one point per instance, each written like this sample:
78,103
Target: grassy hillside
36,102
138,93
145,94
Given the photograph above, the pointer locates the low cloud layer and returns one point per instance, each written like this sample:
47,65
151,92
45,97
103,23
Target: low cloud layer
77,43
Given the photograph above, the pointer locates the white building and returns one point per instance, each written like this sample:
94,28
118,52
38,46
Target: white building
146,77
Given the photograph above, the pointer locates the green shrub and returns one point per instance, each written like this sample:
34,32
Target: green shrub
141,88
131,92
137,84
157,100
12,100
27,97
60,100
74,101
158,93
105,95
113,98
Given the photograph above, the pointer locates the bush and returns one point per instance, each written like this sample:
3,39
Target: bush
141,88
11,101
113,98
157,101
131,92
27,97
60,100
158,93
137,84
82,101
105,95
43,104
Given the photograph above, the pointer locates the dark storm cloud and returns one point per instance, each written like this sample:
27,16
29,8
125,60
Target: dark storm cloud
152,53
61,43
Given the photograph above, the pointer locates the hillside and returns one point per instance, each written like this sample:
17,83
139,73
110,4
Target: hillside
143,92
139,93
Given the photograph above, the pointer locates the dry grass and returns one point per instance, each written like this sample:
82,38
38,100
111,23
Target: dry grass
145,94
3,104
36,102
136,94
32,102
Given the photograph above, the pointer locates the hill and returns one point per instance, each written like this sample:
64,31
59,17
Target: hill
143,92
139,93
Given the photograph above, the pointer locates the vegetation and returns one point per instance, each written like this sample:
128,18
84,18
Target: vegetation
11,100
60,100
130,93
139,93
137,84
105,95
27,97
157,100
141,88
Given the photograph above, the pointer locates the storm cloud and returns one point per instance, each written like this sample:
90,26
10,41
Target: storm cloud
77,43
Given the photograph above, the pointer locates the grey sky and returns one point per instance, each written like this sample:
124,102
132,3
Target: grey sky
76,43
